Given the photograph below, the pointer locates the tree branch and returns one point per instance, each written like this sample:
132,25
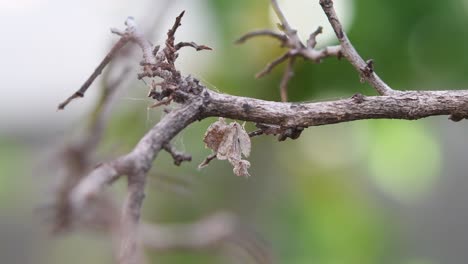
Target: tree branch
135,165
107,59
408,105
296,48
285,119
130,251
177,156
367,73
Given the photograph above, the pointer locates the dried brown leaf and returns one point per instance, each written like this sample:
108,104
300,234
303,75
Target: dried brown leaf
241,168
229,142
215,134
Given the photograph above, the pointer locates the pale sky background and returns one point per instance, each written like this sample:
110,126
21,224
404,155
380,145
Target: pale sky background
50,47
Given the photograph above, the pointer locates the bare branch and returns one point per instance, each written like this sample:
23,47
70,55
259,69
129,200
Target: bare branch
170,49
272,65
265,32
131,33
312,41
409,105
295,47
130,251
110,55
231,142
287,75
207,161
193,45
291,33
317,55
178,156
350,52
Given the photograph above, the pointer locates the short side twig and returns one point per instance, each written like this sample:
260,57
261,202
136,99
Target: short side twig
178,156
273,64
207,161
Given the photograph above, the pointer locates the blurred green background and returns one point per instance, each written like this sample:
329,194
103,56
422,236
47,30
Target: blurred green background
381,191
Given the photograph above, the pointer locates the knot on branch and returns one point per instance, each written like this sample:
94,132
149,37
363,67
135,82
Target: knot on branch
457,117
291,132
283,133
367,71
358,98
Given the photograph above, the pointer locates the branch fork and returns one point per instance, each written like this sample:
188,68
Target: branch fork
296,49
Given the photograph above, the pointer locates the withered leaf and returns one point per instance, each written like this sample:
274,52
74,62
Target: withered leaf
241,168
214,134
229,142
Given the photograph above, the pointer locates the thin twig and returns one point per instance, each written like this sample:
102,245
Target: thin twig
110,55
284,22
178,156
288,120
296,48
170,48
256,133
272,65
288,74
312,41
264,32
207,161
193,45
130,251
350,52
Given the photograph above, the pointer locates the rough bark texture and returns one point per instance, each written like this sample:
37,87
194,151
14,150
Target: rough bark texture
409,105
